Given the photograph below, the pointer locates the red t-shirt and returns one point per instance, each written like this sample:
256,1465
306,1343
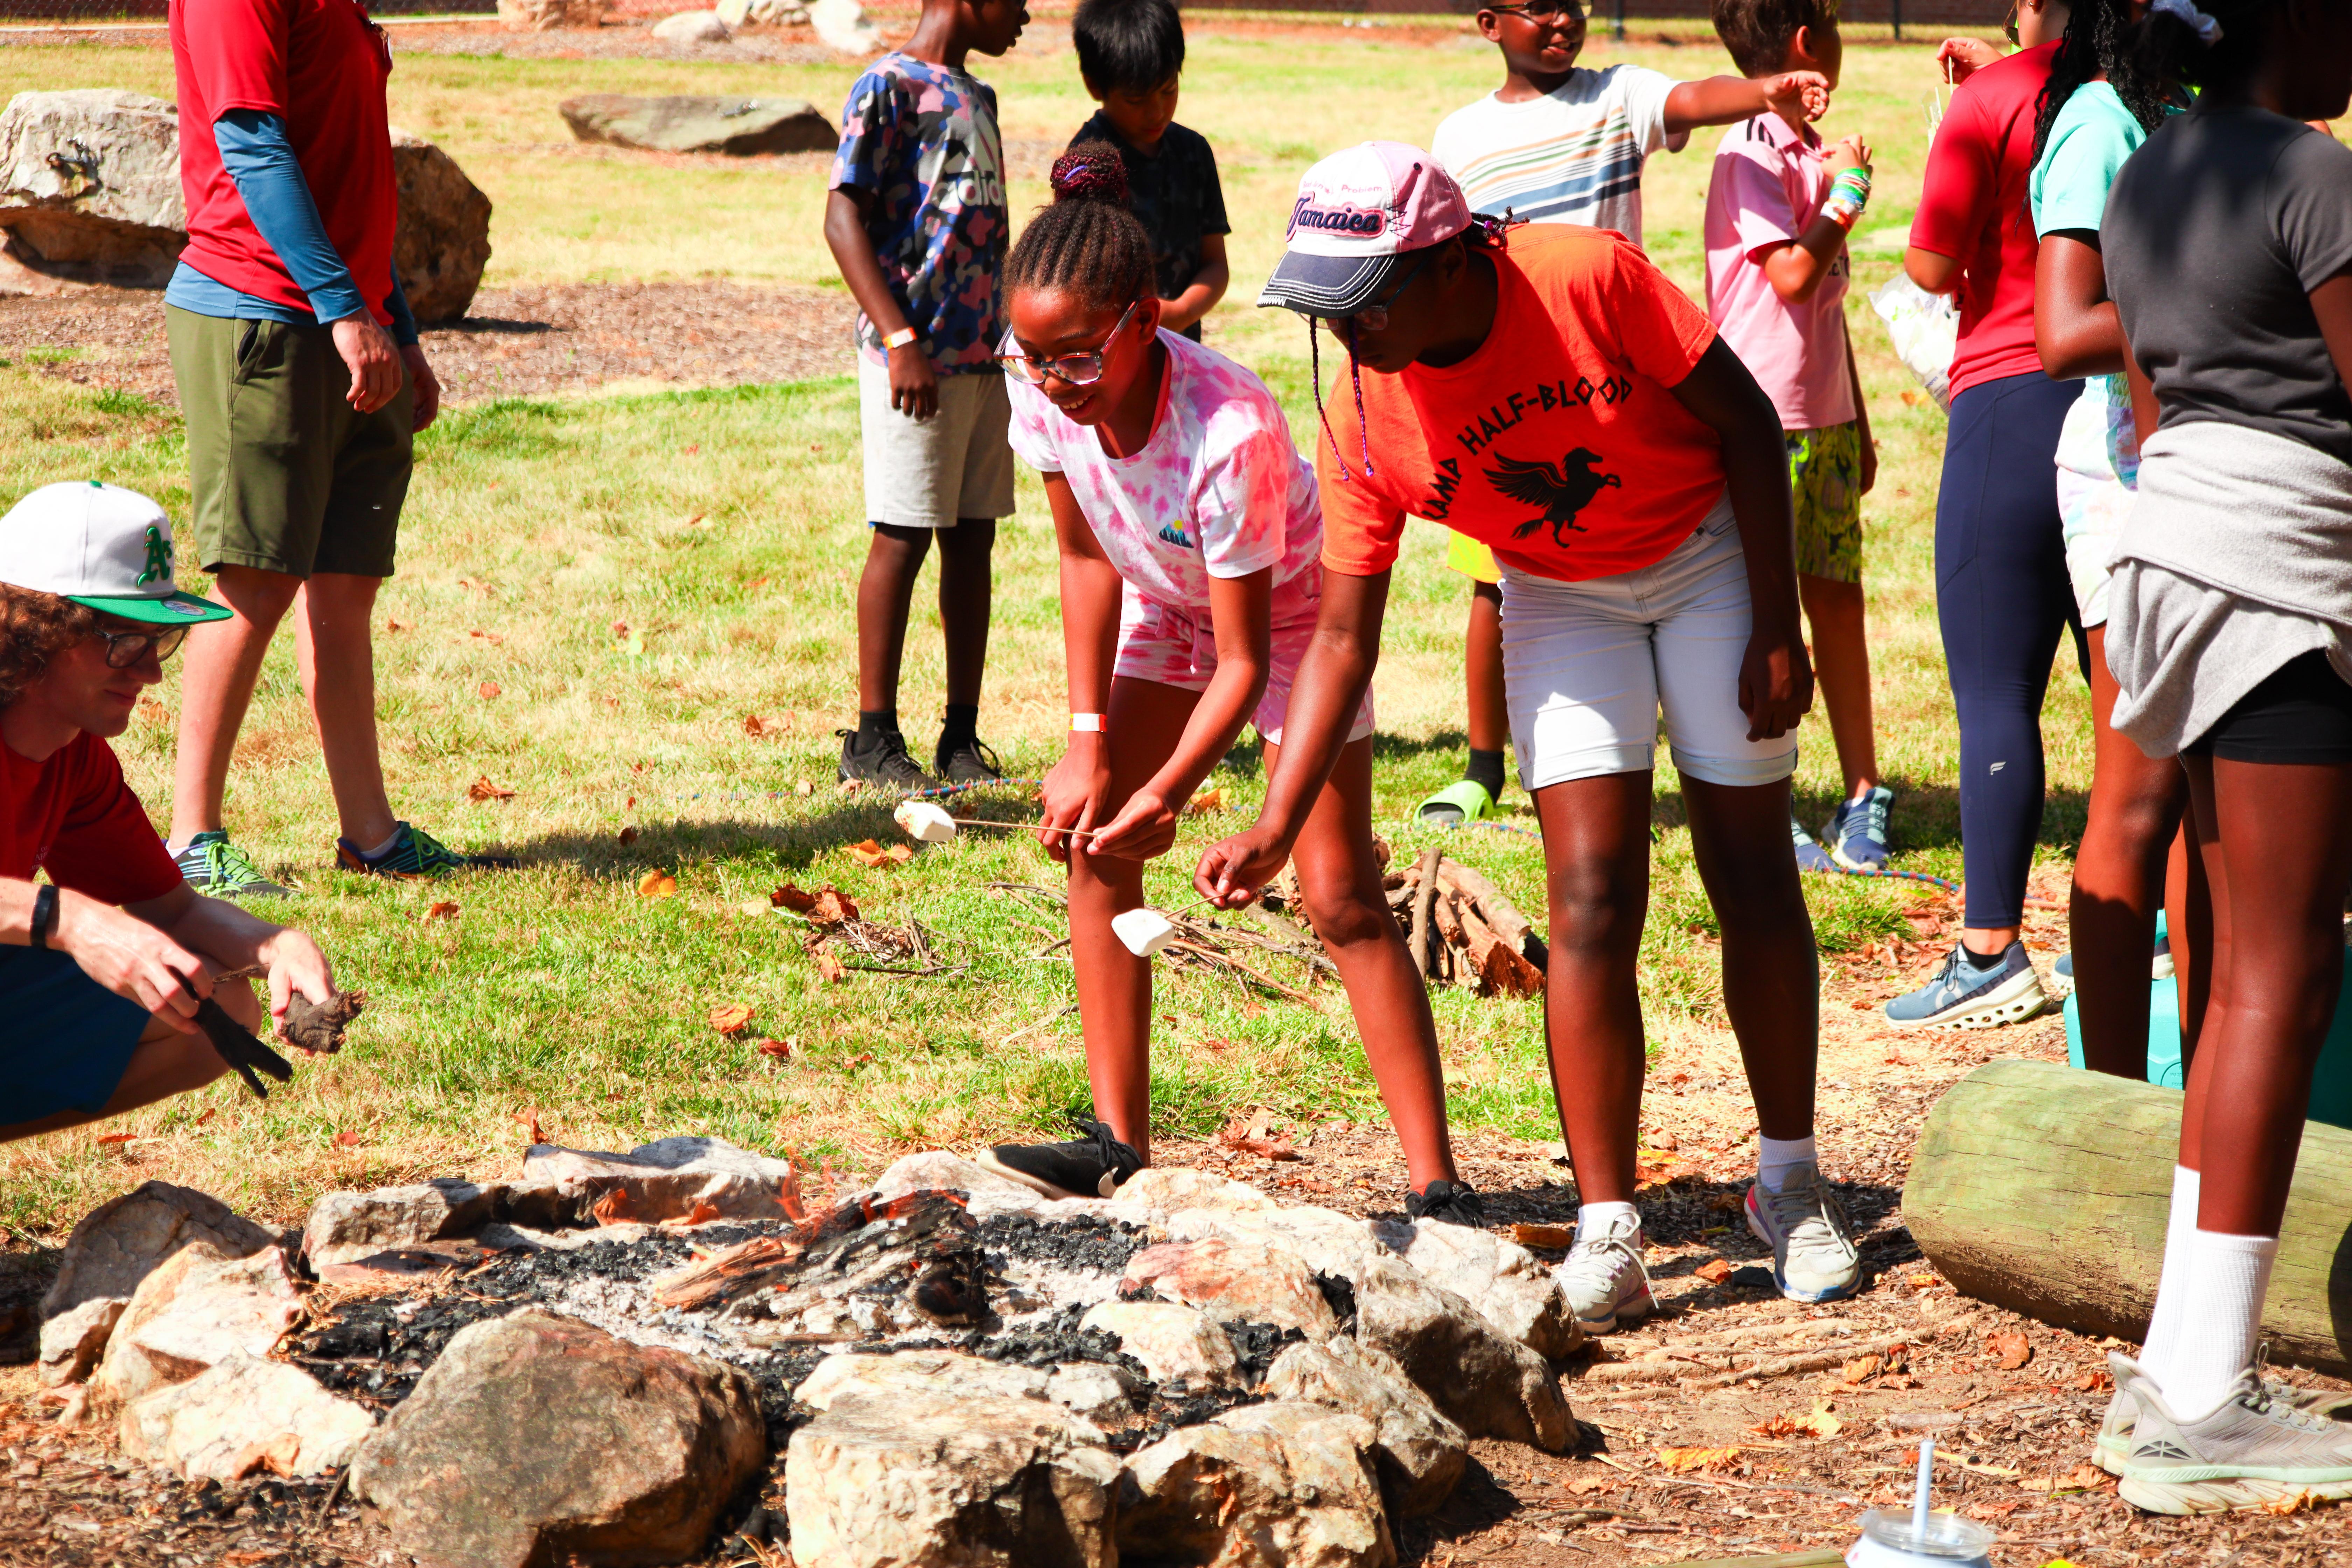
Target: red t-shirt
75,817
320,66
1557,444
1973,208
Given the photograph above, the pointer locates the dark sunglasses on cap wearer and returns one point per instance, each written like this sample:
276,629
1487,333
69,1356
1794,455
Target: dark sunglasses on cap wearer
1375,317
1543,13
1081,369
124,649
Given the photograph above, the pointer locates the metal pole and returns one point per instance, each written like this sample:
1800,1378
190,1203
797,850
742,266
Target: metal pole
1899,21
1620,21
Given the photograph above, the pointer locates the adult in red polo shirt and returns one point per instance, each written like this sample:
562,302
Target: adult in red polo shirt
300,405
2002,594
101,966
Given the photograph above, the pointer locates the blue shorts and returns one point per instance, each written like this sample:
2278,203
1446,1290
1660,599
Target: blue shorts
68,1041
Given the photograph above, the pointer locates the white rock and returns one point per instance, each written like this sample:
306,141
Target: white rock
669,1178
692,28
344,1228
1091,1389
72,1341
1236,1282
842,25
118,1243
763,13
196,1311
1165,1189
1176,1344
1491,1385
243,1414
936,1170
1265,1485
545,15
1329,1241
1500,1278
941,1373
920,1482
90,189
1420,1451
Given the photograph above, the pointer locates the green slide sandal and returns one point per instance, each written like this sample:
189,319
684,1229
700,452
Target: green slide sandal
1465,800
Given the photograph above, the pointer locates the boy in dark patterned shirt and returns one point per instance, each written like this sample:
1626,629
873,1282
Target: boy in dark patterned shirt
917,221
1130,54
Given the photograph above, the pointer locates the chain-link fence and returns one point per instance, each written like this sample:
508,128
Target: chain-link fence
97,13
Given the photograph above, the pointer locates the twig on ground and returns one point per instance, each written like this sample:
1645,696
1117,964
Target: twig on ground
1040,1024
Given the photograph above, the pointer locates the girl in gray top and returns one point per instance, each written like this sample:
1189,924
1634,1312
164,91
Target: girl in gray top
2227,244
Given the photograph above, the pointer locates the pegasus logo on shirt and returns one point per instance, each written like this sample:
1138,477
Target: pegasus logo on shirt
1352,220
1562,492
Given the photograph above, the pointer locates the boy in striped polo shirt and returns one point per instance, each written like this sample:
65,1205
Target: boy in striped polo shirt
1561,144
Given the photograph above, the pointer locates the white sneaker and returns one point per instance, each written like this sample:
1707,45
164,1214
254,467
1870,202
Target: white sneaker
1812,1260
2113,1447
2254,1450
1603,1279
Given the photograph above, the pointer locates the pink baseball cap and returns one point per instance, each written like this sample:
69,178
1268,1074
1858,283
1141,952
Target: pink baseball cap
1359,213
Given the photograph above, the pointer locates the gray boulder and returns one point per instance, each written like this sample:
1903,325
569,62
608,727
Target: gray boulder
692,28
1419,1450
1491,1385
842,25
763,13
546,15
1265,1486
195,1311
668,1179
923,1481
345,1226
120,1243
1501,1279
537,1439
89,190
740,127
1177,1344
241,1416
443,242
944,1373
1234,1282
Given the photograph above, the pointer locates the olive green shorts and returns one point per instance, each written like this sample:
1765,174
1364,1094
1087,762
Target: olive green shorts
285,475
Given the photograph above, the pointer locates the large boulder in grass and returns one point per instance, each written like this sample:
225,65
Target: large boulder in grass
537,1439
546,15
740,127
443,242
121,1242
668,1179
89,190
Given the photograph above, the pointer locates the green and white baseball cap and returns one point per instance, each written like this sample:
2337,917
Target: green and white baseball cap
100,546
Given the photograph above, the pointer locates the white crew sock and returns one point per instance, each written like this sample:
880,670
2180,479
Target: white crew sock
2163,1323
1592,1219
1776,1157
2221,1286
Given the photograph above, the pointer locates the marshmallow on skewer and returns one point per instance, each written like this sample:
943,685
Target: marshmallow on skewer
924,822
1144,932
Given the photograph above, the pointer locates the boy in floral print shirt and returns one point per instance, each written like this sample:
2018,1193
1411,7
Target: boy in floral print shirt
917,221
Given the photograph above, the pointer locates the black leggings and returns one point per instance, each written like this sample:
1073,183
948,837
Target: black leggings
2002,598
2300,712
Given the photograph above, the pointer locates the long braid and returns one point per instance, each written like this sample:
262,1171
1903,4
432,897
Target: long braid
1087,243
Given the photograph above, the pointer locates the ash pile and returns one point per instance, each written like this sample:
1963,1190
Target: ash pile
625,1357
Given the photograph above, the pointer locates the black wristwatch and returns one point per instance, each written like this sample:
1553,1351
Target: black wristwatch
45,913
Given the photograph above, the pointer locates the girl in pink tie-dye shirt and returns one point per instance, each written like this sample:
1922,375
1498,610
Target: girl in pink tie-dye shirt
1190,576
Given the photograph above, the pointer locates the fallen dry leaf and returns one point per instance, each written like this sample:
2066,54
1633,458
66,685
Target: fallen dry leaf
483,789
394,624
789,897
207,1116
1911,398
627,837
1682,1461
115,1139
754,725
154,712
2094,1382
443,910
872,855
782,1050
731,1017
2296,1502
487,691
1553,1236
829,969
473,584
613,1208
1818,1423
1207,801
347,1139
2014,1349
656,885
1863,1368
803,788
2080,1479
530,1119
859,1060
1921,1281
493,639
832,907
1715,1270
703,1213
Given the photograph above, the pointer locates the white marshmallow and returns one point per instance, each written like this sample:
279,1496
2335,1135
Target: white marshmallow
1145,931
924,822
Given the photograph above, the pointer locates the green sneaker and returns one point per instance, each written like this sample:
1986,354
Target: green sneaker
219,870
1465,800
417,853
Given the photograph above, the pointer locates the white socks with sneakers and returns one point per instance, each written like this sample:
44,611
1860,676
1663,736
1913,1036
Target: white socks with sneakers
1776,1157
2209,1309
1592,1219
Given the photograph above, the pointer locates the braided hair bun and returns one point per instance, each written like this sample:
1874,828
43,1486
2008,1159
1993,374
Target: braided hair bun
1090,171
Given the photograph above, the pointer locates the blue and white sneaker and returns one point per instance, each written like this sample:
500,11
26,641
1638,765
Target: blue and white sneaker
1812,1257
1811,856
2062,976
1973,993
2160,966
1857,834
1603,1279
214,866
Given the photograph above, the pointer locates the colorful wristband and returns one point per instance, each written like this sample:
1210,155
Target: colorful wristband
900,339
1091,723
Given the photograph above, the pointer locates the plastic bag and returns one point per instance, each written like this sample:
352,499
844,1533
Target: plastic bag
1926,329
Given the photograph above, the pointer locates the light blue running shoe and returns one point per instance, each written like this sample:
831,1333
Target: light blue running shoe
1973,993
1810,856
1857,834
219,870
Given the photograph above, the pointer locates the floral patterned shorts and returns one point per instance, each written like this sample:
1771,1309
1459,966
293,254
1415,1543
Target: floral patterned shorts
1825,478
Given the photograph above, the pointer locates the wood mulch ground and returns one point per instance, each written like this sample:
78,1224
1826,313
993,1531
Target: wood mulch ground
1696,1425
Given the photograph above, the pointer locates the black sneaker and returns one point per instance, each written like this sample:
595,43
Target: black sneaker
1453,1202
881,759
1090,1167
966,760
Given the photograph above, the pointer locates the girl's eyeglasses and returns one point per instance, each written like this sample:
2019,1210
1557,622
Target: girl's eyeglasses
1072,370
124,649
1375,317
1543,13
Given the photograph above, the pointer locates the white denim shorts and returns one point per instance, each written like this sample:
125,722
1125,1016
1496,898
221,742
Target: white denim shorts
1587,666
927,473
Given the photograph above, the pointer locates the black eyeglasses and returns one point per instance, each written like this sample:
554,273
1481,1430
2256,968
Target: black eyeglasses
1543,13
1375,317
124,649
1073,369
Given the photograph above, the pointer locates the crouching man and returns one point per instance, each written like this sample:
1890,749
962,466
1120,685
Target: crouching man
101,967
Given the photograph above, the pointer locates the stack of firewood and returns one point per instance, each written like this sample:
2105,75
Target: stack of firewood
1460,929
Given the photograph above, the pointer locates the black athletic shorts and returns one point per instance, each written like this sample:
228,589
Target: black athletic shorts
2301,713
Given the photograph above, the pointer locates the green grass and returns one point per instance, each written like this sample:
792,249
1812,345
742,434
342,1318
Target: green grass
722,529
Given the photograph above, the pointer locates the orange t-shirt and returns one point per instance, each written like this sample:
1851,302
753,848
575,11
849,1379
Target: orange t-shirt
1557,444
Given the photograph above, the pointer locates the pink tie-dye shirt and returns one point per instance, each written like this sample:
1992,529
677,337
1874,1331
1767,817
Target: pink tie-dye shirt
1218,491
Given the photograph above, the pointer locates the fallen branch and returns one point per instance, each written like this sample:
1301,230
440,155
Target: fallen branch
1425,874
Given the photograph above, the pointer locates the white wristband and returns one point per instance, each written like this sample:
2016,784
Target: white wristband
1092,722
